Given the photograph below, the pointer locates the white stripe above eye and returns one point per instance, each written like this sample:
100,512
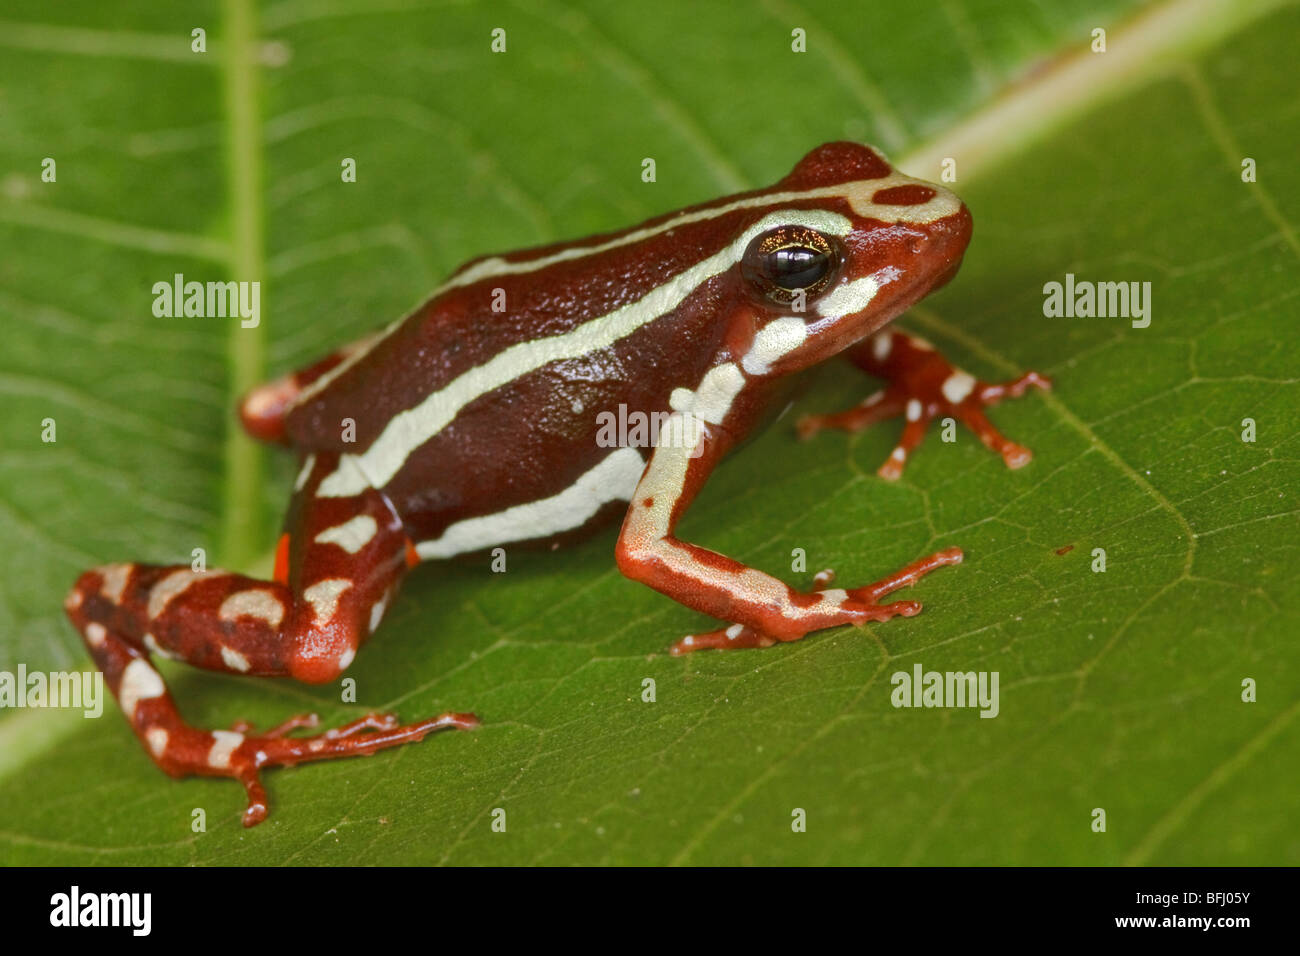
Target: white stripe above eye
614,479
408,430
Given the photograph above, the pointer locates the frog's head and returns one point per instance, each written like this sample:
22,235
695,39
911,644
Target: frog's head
847,244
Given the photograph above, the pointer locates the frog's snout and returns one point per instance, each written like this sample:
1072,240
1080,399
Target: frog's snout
947,241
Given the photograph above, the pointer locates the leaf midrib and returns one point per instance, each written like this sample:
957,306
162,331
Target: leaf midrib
241,535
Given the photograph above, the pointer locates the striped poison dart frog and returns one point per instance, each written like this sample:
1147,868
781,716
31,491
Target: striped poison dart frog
477,426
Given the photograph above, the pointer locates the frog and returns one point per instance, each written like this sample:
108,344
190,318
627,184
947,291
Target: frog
475,422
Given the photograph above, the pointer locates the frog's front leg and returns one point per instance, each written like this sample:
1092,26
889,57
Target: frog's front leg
923,386
763,609
337,567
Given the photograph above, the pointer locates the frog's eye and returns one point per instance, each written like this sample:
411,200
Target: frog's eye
782,261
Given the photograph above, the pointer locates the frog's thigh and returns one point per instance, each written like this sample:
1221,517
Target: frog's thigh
338,564
341,556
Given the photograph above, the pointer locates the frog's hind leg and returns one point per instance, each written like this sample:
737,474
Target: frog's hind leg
262,411
334,577
923,386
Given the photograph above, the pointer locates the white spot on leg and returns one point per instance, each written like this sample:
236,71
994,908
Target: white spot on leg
957,386
377,613
735,631
96,634
881,345
224,743
139,682
172,586
913,410
234,660
323,596
346,658
157,737
254,602
352,535
115,578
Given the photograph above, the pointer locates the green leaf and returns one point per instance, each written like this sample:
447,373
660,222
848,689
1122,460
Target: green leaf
1119,690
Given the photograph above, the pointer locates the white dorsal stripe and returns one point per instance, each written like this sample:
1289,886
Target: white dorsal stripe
408,430
614,479
858,193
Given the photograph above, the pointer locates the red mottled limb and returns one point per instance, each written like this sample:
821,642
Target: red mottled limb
763,609
923,386
345,558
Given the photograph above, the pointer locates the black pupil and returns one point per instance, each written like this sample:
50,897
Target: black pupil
796,267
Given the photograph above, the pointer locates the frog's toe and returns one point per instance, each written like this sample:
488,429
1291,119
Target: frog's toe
724,639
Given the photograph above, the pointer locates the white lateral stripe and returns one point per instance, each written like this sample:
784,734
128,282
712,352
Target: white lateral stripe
410,429
614,479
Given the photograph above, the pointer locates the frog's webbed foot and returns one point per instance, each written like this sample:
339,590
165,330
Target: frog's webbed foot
824,608
924,386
